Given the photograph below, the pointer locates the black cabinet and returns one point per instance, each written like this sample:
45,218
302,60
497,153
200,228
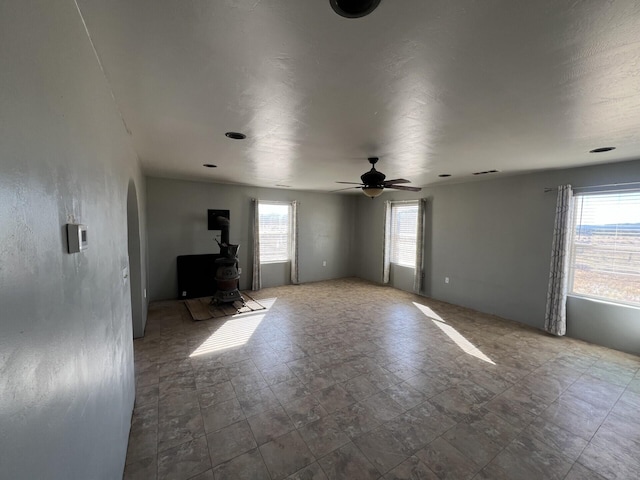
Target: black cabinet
196,275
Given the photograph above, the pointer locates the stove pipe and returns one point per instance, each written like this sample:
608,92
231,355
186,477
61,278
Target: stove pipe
224,235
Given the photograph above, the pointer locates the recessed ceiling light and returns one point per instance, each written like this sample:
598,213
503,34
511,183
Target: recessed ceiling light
444,175
209,165
236,135
602,149
353,8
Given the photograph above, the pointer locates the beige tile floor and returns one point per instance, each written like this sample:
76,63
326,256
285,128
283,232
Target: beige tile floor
346,379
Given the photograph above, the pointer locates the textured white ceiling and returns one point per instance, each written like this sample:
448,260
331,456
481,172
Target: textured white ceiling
429,86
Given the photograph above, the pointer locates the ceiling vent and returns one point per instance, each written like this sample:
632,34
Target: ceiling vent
354,8
235,135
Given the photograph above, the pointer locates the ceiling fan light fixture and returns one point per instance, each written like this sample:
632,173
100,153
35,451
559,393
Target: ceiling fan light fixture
354,8
372,191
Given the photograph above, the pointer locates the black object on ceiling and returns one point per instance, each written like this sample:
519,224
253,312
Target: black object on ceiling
602,149
235,135
209,165
354,8
373,182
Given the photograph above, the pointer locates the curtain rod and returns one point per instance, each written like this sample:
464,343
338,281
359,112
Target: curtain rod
406,201
553,189
283,202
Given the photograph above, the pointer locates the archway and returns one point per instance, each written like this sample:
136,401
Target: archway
135,264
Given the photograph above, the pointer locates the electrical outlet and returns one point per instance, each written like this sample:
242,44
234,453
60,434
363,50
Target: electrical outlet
324,263
446,279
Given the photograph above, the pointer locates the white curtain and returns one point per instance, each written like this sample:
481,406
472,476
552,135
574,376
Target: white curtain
256,281
386,249
555,319
294,243
419,273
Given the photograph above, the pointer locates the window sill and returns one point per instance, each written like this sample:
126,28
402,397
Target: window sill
275,262
403,266
604,301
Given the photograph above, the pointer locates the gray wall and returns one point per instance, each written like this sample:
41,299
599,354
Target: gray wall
66,357
493,240
611,325
401,277
177,223
137,254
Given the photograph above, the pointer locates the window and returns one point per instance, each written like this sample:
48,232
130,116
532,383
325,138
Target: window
404,233
275,228
605,252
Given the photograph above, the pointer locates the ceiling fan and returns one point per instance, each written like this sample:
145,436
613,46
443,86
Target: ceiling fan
374,183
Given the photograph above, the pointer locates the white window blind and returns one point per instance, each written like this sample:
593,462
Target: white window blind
404,233
605,257
275,228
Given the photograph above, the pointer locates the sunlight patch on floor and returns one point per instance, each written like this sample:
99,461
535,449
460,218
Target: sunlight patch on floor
428,312
234,332
267,303
453,334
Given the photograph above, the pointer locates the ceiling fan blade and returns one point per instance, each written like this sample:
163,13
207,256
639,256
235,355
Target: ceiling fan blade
400,187
351,183
397,180
343,189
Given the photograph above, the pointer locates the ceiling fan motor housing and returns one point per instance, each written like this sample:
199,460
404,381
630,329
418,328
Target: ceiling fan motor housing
354,8
373,178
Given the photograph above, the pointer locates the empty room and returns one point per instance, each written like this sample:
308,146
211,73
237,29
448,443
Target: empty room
322,239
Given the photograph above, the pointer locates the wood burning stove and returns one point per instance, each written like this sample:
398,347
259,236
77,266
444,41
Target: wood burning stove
227,275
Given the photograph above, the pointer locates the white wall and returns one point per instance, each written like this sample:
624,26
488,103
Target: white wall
177,222
66,357
493,240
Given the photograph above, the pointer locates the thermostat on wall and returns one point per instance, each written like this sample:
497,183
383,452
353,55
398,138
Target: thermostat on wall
77,237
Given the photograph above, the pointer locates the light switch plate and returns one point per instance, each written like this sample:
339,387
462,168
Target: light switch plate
77,239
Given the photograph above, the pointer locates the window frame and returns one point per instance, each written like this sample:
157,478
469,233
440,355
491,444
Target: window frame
572,249
289,231
395,206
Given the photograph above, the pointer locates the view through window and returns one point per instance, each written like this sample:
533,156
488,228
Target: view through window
275,227
404,233
606,246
